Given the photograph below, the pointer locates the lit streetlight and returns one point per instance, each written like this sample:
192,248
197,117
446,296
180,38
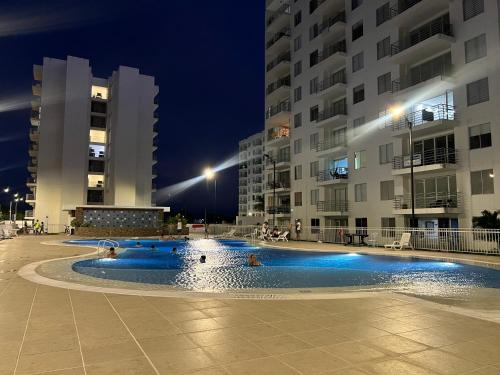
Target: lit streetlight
209,174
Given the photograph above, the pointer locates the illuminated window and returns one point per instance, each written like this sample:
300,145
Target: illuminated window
97,136
100,92
96,180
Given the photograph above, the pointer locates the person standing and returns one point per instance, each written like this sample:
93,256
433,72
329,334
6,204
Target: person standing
36,227
42,228
298,229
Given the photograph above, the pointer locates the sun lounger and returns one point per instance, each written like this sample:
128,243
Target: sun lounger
229,234
401,244
282,237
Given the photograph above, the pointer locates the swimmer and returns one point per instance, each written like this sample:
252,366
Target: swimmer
111,253
253,262
174,250
203,259
153,247
138,244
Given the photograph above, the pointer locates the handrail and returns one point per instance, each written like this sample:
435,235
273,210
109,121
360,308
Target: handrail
441,155
333,206
332,80
424,33
279,108
335,109
103,243
331,50
429,200
286,31
334,174
340,17
427,114
283,57
284,9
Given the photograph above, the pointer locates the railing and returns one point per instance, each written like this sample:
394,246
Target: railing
102,244
29,213
278,210
278,185
277,84
337,174
423,75
275,109
424,33
329,144
331,21
430,200
428,157
31,180
285,32
35,114
332,80
428,114
332,206
336,109
331,50
30,197
277,133
400,6
284,9
278,60
243,201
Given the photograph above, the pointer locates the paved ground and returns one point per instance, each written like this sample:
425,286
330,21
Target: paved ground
56,331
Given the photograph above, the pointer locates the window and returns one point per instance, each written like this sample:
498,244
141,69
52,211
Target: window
384,83
314,197
383,13
313,85
314,225
360,159
384,48
313,31
297,68
478,92
358,62
357,124
358,94
298,198
298,172
297,120
385,153
472,8
313,141
297,43
339,137
297,146
475,48
387,190
313,4
314,168
313,58
479,136
297,94
356,3
482,182
357,30
388,224
297,18
313,113
360,192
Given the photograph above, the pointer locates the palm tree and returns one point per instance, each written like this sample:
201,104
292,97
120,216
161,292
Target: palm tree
488,220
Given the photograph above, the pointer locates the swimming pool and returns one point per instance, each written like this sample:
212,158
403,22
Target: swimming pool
226,268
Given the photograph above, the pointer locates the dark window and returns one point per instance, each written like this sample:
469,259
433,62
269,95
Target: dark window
96,166
472,8
297,120
357,30
98,107
313,4
358,94
358,62
361,225
95,196
384,83
313,113
313,58
313,31
480,136
297,19
482,182
383,14
478,92
297,68
315,226
475,48
297,94
356,3
384,48
98,122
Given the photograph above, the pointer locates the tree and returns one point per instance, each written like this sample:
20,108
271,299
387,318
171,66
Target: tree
488,220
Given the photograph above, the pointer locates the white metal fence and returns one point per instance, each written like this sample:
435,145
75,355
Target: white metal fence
479,241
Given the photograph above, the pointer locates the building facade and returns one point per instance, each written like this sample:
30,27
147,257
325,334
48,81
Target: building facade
346,81
251,180
92,140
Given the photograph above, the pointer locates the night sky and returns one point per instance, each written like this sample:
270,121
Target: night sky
207,57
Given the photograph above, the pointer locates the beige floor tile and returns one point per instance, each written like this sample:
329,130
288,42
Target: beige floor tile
215,337
181,360
148,329
136,366
313,361
281,344
69,371
182,316
164,344
226,353
295,325
347,371
50,343
199,325
354,352
395,345
209,371
111,352
257,331
488,370
321,337
31,363
483,351
394,367
394,326
358,331
261,366
430,337
442,362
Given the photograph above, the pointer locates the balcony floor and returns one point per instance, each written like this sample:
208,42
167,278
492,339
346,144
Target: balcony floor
426,48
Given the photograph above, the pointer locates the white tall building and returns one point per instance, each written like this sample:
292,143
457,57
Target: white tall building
345,81
251,180
92,140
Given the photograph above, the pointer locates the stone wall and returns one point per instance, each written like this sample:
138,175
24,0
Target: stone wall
116,232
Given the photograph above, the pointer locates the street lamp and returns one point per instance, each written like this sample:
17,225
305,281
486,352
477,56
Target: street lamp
209,173
397,112
267,156
19,199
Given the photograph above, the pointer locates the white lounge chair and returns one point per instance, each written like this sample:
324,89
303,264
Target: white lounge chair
401,244
372,240
282,237
229,234
265,236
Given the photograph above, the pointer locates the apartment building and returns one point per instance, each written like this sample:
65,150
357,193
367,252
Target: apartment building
251,180
92,143
346,81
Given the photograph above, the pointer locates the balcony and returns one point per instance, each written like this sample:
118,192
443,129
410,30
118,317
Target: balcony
413,12
279,89
278,18
29,215
279,42
279,65
98,107
35,117
439,159
30,198
36,88
333,54
333,208
33,151
34,134
97,122
330,146
332,86
279,186
96,166
333,27
95,197
279,210
243,201
31,182
335,114
421,74
333,176
425,42
327,6
433,203
439,117
278,135
279,114
33,166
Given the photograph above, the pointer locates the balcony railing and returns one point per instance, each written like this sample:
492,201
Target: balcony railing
429,157
337,174
285,32
285,81
431,200
421,75
331,50
331,21
277,133
275,109
332,80
423,33
285,57
336,109
428,114
29,213
31,180
329,144
402,5
333,206
30,197
35,114
284,9
284,184
278,210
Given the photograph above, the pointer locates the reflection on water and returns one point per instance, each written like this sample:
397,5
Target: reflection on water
226,268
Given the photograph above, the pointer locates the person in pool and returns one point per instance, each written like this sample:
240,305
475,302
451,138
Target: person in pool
253,262
174,250
153,247
111,253
203,259
138,244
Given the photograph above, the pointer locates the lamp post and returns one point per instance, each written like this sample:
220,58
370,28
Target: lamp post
267,156
19,199
396,112
6,190
10,206
209,174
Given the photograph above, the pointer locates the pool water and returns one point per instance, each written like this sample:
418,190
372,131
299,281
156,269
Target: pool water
226,268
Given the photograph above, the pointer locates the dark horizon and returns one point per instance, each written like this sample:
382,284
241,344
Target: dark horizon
206,59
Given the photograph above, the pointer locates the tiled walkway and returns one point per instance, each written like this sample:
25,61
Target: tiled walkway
54,331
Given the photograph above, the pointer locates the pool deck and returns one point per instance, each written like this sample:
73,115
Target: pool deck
61,331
